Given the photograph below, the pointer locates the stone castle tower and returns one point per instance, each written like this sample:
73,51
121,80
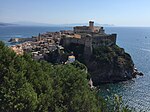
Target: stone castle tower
91,25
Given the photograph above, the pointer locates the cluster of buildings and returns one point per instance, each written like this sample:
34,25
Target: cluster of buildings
90,36
38,45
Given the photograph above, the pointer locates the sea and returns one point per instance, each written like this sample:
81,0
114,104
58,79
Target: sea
135,41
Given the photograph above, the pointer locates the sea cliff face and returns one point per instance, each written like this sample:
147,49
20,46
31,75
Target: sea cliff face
106,64
110,64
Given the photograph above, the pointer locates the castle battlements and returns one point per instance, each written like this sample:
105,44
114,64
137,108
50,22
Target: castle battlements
89,29
96,35
89,36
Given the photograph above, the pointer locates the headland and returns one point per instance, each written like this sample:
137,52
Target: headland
105,61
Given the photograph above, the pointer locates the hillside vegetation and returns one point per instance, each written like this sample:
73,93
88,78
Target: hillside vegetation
107,64
27,85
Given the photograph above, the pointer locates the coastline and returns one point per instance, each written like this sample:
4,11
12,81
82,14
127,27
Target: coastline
50,42
125,40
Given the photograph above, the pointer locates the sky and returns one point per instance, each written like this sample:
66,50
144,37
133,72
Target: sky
117,12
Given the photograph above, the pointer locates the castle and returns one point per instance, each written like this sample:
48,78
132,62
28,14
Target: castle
89,36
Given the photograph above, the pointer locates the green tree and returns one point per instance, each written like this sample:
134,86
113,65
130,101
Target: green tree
72,93
27,85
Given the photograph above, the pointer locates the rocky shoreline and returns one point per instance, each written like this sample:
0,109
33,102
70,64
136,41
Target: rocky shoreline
107,64
111,65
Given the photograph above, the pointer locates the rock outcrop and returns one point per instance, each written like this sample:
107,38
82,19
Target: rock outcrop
107,64
110,64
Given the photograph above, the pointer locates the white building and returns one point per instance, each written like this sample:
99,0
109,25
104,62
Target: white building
71,59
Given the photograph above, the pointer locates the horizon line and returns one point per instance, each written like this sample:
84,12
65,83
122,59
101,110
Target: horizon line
30,23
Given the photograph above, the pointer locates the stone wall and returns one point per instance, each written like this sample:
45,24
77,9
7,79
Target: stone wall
106,40
91,42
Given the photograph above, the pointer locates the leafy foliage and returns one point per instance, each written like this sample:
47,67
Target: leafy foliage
30,86
105,55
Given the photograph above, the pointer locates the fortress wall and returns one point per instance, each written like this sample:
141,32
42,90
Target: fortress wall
113,38
82,31
96,41
67,41
93,42
104,40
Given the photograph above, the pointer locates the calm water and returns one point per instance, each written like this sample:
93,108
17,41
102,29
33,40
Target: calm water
25,31
136,41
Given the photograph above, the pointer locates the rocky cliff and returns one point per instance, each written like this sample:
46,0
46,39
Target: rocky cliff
106,64
110,64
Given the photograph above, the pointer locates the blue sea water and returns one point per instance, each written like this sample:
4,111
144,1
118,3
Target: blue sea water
7,32
135,41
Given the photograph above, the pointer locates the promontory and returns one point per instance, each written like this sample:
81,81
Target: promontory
105,60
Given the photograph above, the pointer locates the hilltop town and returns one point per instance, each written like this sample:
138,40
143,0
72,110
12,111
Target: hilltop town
90,45
90,36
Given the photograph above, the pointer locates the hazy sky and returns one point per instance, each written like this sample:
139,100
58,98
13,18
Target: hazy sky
117,12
